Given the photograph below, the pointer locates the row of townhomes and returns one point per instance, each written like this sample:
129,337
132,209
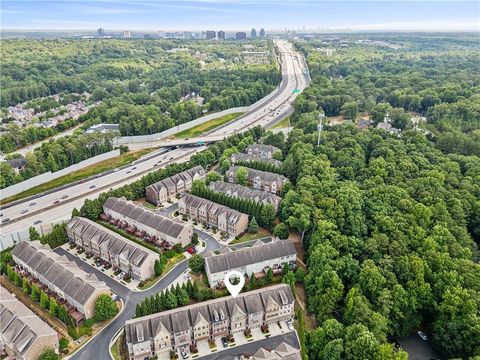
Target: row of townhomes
265,151
243,192
251,260
149,335
59,277
246,158
144,222
260,180
168,188
121,253
210,213
23,335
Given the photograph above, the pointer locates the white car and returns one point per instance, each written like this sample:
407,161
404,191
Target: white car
422,335
289,325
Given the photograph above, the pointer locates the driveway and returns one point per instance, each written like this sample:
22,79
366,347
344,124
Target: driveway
97,348
252,347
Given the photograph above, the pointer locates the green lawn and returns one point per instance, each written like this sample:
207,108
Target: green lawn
81,174
261,233
281,124
170,264
207,126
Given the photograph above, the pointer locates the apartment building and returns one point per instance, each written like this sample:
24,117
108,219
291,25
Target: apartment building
121,253
146,222
58,275
150,335
246,158
168,188
243,192
208,212
260,180
265,151
23,335
251,260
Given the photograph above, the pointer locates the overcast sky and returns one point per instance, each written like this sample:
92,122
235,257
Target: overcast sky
240,14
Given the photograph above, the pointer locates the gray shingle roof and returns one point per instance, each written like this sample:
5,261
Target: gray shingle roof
249,255
263,175
243,192
115,243
212,207
187,174
261,148
175,320
253,157
19,326
144,216
65,275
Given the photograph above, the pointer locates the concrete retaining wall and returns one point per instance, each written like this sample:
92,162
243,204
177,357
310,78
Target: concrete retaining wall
125,140
48,176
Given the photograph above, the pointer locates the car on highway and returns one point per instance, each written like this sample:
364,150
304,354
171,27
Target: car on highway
24,211
56,202
129,171
134,168
5,220
1,215
116,169
64,197
32,203
92,186
36,222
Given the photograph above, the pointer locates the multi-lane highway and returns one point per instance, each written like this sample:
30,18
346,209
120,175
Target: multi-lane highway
58,205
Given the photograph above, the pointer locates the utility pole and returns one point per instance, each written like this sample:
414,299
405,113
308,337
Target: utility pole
320,126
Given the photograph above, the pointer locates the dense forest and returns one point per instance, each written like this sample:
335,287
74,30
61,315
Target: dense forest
435,76
142,83
391,226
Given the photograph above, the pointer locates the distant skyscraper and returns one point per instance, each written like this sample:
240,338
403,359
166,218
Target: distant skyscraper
210,34
187,35
100,32
221,34
253,34
241,35
126,34
262,32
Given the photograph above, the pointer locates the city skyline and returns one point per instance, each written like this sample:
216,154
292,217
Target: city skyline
240,15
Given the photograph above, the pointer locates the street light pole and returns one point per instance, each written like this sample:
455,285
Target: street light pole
320,126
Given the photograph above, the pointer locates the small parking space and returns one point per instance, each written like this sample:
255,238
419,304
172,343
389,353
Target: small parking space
116,276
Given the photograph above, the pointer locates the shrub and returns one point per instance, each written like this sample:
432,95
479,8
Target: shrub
105,308
63,342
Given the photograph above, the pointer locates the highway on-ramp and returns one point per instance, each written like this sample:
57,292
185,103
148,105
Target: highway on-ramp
55,206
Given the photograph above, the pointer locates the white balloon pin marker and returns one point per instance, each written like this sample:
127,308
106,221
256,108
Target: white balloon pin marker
234,289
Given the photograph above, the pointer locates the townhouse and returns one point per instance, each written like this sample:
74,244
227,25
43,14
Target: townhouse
140,220
283,351
23,335
121,253
260,180
246,158
153,334
244,192
210,213
168,188
265,151
251,260
59,276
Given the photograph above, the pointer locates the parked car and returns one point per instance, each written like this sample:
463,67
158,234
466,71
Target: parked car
184,353
224,342
190,251
289,325
422,335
